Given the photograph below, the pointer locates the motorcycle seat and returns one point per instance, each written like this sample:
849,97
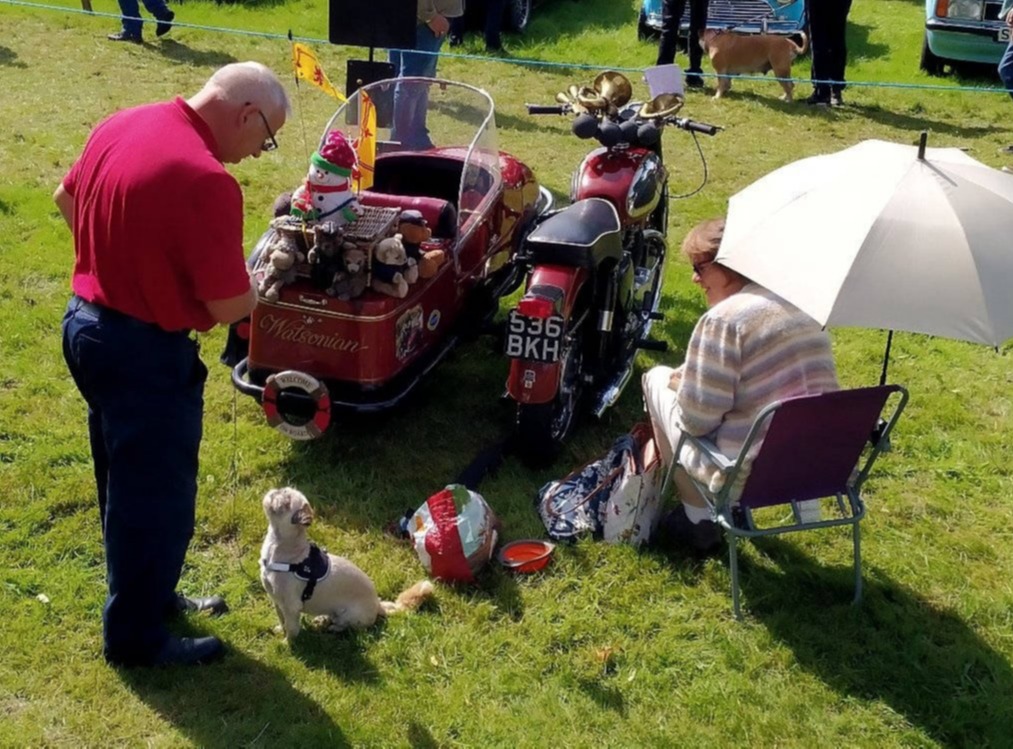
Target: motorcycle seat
439,214
584,234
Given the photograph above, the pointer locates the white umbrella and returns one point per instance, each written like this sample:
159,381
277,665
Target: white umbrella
883,235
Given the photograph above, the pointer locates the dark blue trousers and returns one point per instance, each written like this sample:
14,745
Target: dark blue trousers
828,24
145,393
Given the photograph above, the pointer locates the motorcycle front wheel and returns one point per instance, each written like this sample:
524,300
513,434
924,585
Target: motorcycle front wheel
543,427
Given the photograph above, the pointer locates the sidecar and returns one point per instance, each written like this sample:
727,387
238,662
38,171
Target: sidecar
307,353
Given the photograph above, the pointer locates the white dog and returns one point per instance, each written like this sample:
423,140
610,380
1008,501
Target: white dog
300,577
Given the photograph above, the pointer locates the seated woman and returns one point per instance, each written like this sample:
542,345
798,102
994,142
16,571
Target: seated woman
749,349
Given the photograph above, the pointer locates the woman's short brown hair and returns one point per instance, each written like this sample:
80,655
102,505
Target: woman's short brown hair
703,240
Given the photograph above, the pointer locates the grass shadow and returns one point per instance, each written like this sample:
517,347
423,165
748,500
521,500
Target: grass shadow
242,703
859,45
897,647
604,696
9,58
339,653
177,52
865,112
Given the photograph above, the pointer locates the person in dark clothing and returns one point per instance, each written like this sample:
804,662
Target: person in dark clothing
494,10
671,18
828,22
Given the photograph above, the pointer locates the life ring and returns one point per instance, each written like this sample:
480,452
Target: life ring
290,378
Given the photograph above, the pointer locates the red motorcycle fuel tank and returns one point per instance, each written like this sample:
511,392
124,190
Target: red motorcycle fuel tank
631,179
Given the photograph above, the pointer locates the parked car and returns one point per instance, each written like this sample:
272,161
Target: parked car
962,31
745,16
516,13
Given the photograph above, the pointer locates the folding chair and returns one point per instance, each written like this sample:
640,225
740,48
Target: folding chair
811,450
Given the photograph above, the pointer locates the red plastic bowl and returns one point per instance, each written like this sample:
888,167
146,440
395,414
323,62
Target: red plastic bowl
527,555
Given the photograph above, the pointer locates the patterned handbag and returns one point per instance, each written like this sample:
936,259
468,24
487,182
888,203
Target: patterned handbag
572,507
631,510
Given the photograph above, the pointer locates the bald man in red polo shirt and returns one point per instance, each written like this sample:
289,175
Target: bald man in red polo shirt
158,242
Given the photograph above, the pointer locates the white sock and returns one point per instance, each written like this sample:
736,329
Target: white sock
696,514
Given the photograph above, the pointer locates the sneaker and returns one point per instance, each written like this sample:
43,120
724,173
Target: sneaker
836,100
818,100
164,24
122,36
675,530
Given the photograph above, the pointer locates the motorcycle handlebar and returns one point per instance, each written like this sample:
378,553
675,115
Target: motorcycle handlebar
684,123
548,108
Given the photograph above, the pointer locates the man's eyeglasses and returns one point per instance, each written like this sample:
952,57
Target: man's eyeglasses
270,144
698,268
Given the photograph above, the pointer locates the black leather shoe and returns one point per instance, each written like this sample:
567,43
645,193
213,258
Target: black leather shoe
189,651
694,79
164,24
214,605
122,36
701,539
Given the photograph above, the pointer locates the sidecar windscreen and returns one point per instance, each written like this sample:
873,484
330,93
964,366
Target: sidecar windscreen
433,138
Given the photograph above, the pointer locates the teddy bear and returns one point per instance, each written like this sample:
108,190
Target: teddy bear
327,243
351,281
414,230
281,256
390,261
327,192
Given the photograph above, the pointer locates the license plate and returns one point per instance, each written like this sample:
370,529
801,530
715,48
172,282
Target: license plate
535,338
1003,35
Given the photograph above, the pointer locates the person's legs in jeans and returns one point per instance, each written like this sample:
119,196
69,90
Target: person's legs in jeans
671,18
130,10
411,101
1006,69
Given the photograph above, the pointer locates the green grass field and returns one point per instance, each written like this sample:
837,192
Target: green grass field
610,646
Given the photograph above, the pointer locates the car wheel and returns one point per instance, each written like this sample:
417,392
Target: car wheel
518,14
644,32
930,63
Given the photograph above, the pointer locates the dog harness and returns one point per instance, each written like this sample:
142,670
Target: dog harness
312,569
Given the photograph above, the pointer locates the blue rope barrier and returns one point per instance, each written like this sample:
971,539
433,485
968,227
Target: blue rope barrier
523,61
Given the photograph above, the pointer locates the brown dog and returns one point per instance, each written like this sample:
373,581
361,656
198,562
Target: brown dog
735,54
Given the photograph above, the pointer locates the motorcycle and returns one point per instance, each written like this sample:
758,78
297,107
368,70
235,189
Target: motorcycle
594,269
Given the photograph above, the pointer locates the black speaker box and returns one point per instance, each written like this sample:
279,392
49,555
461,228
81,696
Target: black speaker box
377,23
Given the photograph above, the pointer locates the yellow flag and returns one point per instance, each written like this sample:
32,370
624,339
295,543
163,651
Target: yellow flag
308,68
365,144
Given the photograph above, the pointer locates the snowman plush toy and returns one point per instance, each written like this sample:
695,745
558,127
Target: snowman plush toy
327,195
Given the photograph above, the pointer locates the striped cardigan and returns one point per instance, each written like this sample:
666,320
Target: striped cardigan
747,351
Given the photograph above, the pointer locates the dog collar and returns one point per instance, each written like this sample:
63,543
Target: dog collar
312,569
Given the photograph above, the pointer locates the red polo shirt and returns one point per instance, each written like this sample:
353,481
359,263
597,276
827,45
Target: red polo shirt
158,221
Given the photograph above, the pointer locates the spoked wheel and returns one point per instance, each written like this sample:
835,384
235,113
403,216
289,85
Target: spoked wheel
543,427
517,15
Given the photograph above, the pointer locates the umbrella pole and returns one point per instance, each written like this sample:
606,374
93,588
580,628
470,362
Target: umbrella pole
886,358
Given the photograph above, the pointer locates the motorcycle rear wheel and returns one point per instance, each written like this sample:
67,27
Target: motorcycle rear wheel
543,427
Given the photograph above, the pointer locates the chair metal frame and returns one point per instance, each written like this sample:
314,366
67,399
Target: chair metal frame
737,519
